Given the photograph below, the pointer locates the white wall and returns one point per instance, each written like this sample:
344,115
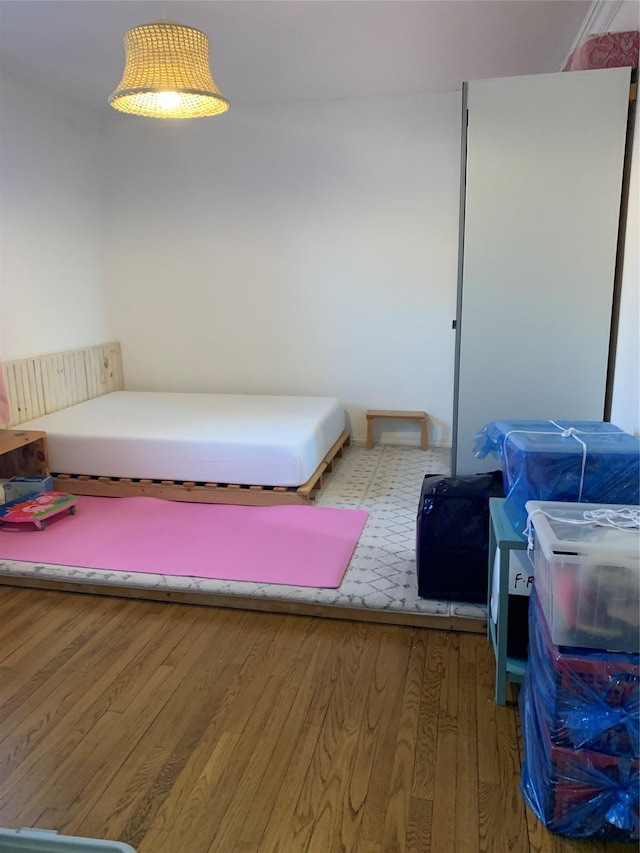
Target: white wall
52,250
306,248
627,17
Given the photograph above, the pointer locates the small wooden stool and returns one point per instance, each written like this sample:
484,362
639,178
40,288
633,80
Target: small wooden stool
372,414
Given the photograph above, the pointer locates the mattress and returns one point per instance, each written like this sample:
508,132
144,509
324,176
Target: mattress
210,438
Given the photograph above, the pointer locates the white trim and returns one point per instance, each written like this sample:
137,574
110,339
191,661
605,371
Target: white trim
599,17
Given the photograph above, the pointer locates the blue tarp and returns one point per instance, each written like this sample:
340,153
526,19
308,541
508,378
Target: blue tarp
587,699
578,461
576,792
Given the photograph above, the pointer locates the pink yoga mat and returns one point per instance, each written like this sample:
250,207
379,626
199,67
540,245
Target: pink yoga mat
297,545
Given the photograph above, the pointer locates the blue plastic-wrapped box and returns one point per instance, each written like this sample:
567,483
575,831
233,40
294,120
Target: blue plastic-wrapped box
579,461
587,699
577,793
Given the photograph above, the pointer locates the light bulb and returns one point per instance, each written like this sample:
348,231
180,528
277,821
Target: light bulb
168,100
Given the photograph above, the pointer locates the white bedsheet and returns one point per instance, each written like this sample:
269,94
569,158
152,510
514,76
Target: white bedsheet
218,438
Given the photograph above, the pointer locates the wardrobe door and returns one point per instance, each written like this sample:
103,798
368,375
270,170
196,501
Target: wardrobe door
544,160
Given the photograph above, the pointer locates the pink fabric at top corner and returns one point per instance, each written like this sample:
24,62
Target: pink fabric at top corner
605,50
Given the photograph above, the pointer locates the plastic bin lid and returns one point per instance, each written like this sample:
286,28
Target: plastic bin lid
558,436
557,531
48,841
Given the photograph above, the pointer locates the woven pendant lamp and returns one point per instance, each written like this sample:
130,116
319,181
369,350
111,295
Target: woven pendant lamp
166,74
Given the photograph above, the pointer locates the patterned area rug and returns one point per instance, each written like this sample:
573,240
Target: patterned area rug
384,481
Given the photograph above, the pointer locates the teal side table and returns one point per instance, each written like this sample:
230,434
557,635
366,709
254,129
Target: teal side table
502,536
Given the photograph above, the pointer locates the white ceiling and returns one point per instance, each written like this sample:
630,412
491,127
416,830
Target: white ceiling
283,50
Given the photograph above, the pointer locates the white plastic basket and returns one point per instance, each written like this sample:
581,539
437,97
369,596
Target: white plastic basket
48,841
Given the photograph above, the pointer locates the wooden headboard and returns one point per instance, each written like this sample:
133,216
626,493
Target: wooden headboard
47,383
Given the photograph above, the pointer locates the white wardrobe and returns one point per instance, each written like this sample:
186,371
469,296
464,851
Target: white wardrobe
542,166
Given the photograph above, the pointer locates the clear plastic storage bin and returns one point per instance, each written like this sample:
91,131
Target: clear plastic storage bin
48,841
587,576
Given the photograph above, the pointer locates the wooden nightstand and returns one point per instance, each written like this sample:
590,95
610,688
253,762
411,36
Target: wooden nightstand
421,417
23,453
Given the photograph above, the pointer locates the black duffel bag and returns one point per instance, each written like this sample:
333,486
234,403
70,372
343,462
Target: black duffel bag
452,536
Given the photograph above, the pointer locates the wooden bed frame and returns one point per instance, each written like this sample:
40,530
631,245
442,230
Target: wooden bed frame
44,384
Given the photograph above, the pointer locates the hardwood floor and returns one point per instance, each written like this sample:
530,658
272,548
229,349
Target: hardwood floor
186,729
